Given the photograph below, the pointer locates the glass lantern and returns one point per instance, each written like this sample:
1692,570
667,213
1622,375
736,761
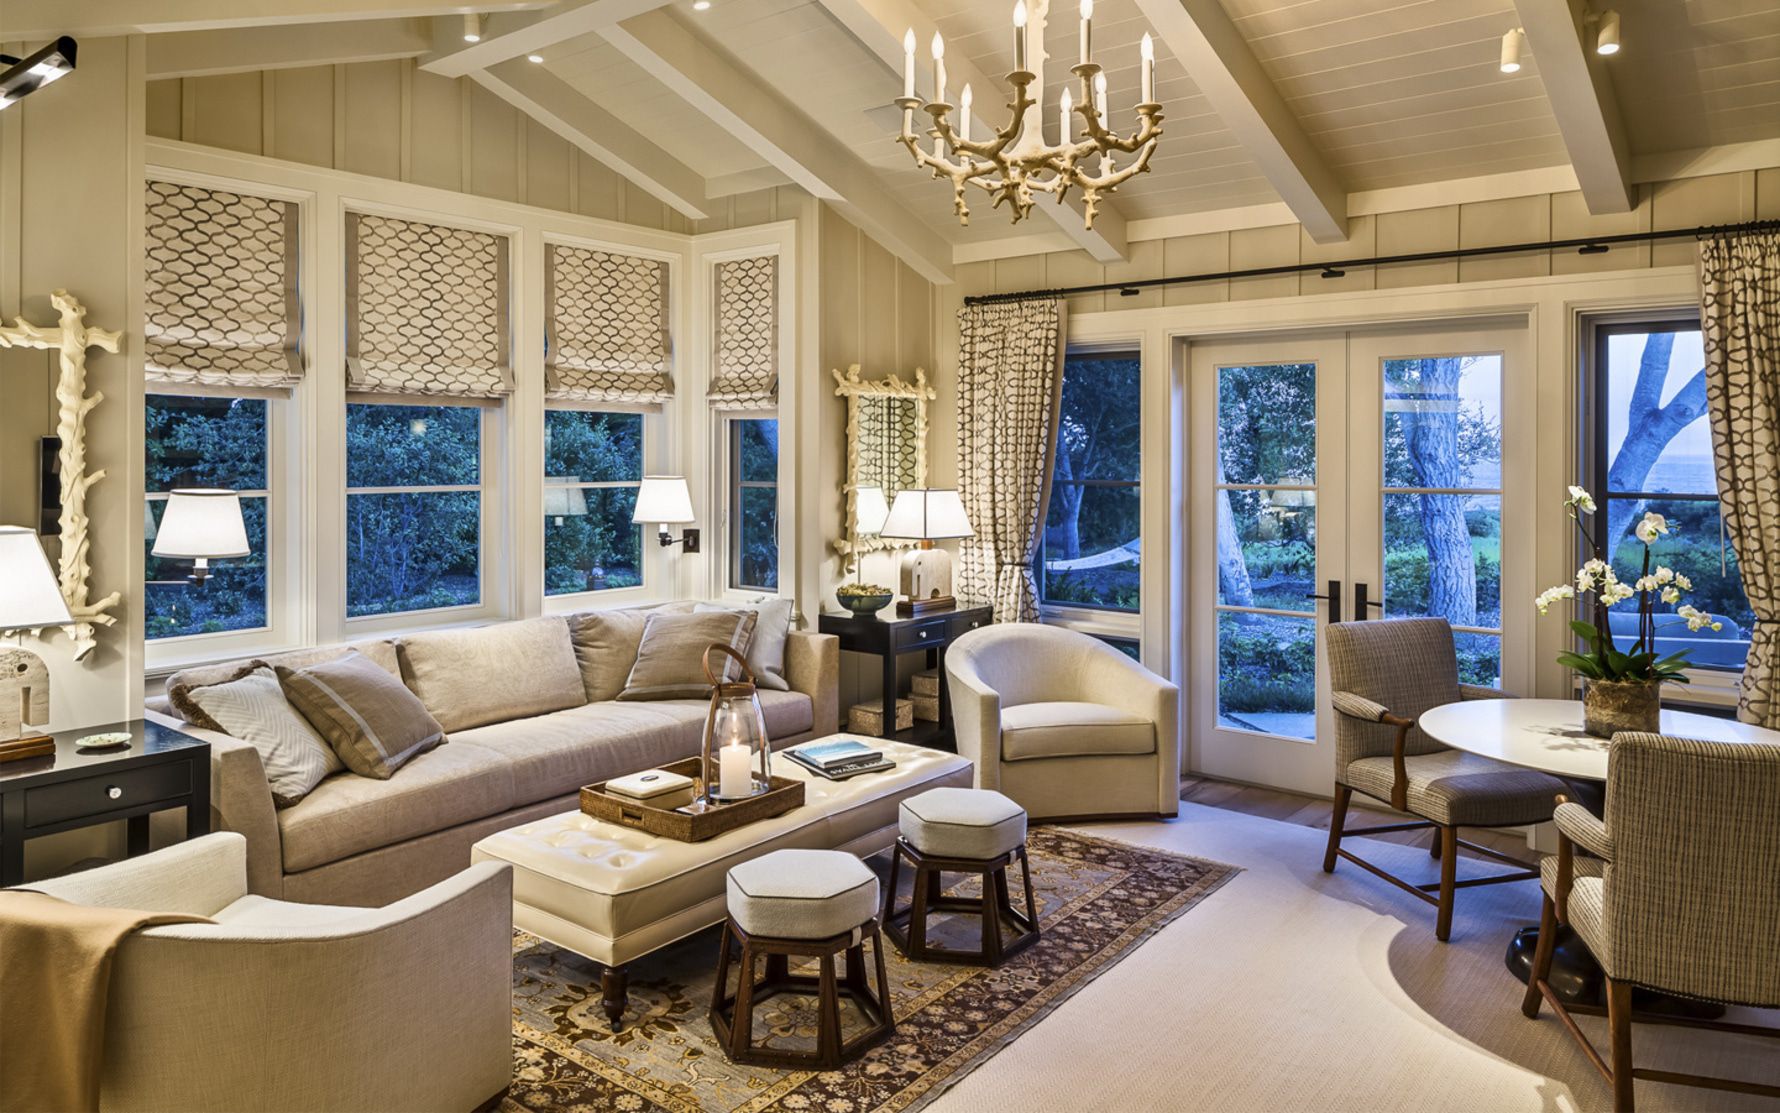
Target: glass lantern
736,752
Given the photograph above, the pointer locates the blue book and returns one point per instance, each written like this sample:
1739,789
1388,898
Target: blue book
840,751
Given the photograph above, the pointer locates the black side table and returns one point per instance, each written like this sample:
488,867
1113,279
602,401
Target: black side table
888,635
161,768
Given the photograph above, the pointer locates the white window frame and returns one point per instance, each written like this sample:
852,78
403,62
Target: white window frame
648,564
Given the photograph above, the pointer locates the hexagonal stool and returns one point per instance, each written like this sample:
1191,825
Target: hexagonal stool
961,830
801,903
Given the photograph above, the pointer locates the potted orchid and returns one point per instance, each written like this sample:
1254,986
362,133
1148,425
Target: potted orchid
1622,688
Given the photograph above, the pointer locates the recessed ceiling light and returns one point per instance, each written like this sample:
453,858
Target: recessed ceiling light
472,27
701,5
1511,43
538,58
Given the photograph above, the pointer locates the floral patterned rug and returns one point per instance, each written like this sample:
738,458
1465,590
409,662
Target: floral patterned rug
1098,901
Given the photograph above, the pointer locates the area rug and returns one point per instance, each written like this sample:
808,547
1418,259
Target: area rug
1098,901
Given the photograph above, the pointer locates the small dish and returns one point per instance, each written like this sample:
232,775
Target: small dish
108,741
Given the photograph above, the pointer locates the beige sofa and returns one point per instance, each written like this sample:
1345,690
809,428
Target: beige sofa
523,739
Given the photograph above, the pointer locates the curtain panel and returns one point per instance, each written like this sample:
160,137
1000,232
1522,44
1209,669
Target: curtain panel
220,288
426,309
745,349
1740,320
1010,387
607,327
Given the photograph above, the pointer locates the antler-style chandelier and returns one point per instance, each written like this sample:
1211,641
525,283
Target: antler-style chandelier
1016,162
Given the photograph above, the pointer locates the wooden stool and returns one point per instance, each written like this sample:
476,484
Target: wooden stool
970,831
807,904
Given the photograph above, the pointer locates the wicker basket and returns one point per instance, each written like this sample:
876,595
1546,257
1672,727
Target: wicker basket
681,827
868,718
926,684
926,708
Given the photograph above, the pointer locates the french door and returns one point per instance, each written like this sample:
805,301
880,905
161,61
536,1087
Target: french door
1344,477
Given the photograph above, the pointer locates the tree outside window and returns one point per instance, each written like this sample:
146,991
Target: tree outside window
593,465
754,503
1090,554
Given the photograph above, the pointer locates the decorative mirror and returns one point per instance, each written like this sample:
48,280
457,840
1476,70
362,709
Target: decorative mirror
886,445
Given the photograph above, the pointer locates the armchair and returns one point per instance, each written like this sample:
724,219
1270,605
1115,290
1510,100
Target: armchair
281,1006
1063,723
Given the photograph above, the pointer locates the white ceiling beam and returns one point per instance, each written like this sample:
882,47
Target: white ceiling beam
879,27
562,108
774,128
45,19
745,181
1581,97
243,49
514,34
1202,37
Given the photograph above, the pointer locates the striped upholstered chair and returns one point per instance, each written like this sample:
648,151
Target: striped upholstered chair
1680,891
1385,675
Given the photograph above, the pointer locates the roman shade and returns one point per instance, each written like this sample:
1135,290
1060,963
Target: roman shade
745,351
426,309
220,288
608,327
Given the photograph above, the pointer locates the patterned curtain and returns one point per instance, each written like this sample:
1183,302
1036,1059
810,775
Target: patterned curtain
1010,386
745,364
220,288
608,327
1740,317
426,309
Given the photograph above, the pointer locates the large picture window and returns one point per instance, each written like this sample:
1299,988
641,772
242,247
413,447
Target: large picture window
1091,555
754,503
1652,451
195,441
414,482
593,464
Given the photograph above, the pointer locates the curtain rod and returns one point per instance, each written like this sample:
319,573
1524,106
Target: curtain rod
1585,245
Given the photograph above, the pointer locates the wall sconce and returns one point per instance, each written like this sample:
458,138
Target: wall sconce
201,524
665,500
27,75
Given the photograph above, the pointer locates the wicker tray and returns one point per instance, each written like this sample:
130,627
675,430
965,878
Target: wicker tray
681,827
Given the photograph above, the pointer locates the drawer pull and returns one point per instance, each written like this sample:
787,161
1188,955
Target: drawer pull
114,792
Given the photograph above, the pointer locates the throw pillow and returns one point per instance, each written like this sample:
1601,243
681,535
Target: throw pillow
766,652
606,645
371,720
380,650
490,674
670,659
252,707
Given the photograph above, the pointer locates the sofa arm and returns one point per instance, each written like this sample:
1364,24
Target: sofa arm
813,667
241,800
198,877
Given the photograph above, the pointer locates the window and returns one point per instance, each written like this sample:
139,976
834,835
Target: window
206,442
754,503
1652,451
1089,556
413,507
593,463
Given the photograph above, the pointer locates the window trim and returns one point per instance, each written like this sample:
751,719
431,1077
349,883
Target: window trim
1095,617
733,487
643,562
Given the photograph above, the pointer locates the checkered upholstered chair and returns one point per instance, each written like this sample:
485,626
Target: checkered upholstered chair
1679,891
1385,675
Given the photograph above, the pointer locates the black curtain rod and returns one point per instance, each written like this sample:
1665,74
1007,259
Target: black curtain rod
1586,245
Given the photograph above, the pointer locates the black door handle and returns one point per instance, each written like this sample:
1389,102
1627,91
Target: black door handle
1361,602
1333,599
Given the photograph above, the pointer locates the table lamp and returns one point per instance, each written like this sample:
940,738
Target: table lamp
926,515
201,524
29,599
664,500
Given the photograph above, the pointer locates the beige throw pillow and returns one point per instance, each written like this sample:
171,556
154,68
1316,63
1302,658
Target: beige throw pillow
766,650
670,659
605,648
252,708
490,674
374,723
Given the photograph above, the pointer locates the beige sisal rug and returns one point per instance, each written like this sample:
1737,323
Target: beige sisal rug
1099,900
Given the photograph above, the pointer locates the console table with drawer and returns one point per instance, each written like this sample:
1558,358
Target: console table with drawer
887,636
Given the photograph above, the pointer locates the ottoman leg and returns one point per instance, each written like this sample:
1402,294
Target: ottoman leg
828,1017
994,892
615,994
741,1029
877,950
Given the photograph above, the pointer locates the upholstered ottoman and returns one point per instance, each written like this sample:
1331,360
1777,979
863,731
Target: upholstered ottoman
961,830
812,904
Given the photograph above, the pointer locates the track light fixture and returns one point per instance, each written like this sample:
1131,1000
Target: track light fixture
31,73
1607,32
472,27
1511,45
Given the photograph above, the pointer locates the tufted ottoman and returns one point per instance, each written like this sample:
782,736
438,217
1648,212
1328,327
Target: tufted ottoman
961,830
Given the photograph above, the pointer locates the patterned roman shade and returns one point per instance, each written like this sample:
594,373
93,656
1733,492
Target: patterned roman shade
220,288
745,364
426,309
608,327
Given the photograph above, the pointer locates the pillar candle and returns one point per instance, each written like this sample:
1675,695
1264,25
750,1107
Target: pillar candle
733,777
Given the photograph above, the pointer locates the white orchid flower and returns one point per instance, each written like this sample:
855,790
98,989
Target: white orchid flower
1697,619
1664,574
1647,583
1615,592
1653,526
1552,595
1683,582
1581,500
1671,595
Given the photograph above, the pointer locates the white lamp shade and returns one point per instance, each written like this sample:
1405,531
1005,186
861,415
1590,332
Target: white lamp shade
664,499
29,596
564,502
927,514
869,509
202,523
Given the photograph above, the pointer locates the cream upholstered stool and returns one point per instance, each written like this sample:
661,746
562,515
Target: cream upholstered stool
961,830
808,903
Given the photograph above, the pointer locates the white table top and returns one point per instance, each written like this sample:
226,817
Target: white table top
1547,734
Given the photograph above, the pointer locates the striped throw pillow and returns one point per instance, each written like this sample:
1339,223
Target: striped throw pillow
252,707
371,720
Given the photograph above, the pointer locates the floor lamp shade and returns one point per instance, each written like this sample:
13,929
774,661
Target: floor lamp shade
29,595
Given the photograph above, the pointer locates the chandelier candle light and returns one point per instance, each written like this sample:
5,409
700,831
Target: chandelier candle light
1016,163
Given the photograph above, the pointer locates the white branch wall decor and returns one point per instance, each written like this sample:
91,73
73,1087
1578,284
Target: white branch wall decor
70,341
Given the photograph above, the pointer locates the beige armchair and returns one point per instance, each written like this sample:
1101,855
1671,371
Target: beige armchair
1676,892
280,1006
1063,723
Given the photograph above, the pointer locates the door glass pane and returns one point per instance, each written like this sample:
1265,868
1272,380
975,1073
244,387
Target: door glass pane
1267,548
1480,659
1267,424
1443,556
1443,422
1267,674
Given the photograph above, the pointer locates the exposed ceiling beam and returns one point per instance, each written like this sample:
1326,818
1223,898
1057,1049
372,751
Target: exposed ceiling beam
1581,97
513,34
559,106
774,128
1203,38
745,181
879,27
242,49
45,19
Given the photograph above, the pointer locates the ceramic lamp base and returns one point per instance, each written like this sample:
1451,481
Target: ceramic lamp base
925,577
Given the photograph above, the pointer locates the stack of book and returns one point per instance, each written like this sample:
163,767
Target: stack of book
839,758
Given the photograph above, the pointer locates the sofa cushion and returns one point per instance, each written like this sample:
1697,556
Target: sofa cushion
766,650
253,709
374,723
1068,729
381,651
670,660
490,674
349,815
787,713
551,755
